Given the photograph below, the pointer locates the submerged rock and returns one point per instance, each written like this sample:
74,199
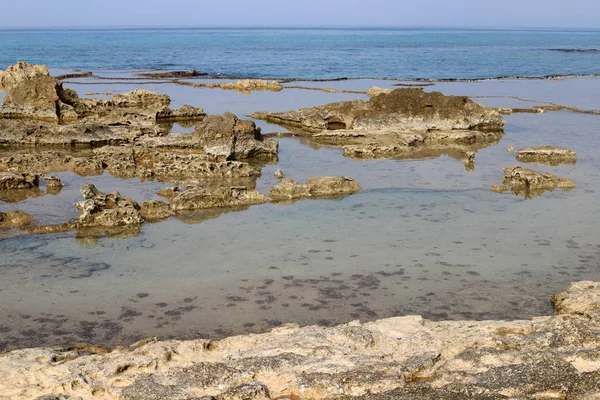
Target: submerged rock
551,155
15,219
324,186
106,210
194,197
395,358
529,183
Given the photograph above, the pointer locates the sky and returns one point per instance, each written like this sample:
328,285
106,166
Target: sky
373,13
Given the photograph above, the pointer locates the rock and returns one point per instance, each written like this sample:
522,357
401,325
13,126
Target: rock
155,210
53,182
396,124
376,91
278,174
136,105
401,110
106,210
22,71
194,197
551,155
400,358
581,298
170,74
324,186
505,110
184,113
227,137
469,161
15,219
249,85
12,180
510,149
529,183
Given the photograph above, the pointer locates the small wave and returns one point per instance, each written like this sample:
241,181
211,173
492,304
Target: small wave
576,50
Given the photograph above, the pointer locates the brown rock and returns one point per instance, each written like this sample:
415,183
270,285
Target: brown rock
155,210
185,113
581,298
550,155
402,110
194,197
15,219
324,186
12,180
106,210
20,72
529,183
53,182
227,137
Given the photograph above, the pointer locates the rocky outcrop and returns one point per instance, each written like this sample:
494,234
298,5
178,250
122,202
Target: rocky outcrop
396,358
15,219
155,210
580,298
402,110
53,183
33,94
245,86
400,124
529,183
12,180
226,137
170,74
376,91
323,186
550,155
194,197
106,210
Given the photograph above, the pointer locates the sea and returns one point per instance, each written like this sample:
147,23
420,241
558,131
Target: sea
424,236
318,53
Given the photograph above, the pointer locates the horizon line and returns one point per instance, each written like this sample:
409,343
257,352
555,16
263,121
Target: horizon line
266,26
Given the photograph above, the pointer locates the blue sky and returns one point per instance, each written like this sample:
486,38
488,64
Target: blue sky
450,13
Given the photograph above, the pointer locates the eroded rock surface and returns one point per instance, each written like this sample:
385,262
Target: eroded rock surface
396,358
396,124
551,155
106,210
13,180
324,186
195,197
529,183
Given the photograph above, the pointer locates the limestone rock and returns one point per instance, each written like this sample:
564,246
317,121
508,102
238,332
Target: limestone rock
185,112
529,183
12,180
402,358
106,210
229,138
376,91
288,189
551,155
20,72
278,174
402,110
193,197
249,85
581,298
53,182
15,219
155,210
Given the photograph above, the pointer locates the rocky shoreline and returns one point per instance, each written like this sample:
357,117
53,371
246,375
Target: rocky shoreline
396,358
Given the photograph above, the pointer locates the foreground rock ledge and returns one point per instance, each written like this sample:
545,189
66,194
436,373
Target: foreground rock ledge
396,358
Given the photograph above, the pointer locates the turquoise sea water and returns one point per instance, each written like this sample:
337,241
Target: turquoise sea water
314,53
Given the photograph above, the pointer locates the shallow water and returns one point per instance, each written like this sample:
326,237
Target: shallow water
423,237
